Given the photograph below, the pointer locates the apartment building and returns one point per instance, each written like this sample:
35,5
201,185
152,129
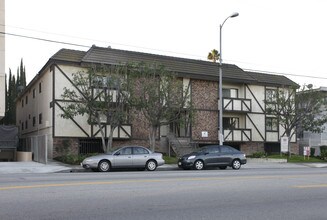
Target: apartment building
246,125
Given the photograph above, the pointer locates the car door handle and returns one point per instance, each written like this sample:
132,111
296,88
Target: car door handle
129,157
145,156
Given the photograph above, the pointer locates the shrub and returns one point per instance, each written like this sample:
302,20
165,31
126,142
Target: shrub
312,152
323,152
259,155
72,159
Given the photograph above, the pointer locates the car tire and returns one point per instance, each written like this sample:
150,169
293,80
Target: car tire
104,166
198,165
236,164
222,167
151,165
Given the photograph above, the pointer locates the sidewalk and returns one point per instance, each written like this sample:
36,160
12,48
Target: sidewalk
55,166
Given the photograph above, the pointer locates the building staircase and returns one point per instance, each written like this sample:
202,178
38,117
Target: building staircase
180,146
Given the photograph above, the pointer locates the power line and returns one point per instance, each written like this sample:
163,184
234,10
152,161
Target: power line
101,41
287,74
87,46
43,39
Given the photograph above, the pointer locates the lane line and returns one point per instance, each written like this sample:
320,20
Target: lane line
310,186
231,178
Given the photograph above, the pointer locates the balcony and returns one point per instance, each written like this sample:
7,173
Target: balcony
237,135
237,105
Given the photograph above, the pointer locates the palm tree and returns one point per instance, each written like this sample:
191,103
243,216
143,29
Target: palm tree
213,55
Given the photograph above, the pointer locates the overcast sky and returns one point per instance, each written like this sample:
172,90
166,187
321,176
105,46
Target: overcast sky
288,37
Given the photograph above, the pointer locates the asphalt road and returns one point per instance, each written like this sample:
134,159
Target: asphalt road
211,194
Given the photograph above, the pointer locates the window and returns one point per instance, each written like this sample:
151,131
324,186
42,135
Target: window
22,126
271,124
230,93
125,151
213,150
271,95
225,149
33,93
26,100
230,123
40,118
140,150
22,103
26,126
40,87
34,121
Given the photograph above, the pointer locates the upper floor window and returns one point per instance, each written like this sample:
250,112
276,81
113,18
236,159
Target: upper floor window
33,93
230,93
22,102
271,124
34,121
26,100
40,118
271,95
40,87
230,123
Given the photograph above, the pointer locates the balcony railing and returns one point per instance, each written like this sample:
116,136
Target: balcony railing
237,135
237,104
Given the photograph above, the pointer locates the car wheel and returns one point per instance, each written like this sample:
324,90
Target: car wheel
236,164
104,166
222,167
151,165
198,165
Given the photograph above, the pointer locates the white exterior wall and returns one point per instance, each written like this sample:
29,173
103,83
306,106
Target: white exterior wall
78,127
64,127
40,104
259,95
2,60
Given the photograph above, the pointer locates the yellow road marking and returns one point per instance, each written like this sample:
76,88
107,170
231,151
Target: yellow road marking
167,180
311,186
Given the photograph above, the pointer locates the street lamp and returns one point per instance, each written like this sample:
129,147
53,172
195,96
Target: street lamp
220,121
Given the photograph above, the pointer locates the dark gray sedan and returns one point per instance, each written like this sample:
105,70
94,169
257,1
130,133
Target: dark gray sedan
125,157
213,156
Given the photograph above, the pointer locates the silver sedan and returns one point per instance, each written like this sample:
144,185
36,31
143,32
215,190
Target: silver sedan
125,157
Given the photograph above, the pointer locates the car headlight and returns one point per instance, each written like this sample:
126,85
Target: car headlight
191,157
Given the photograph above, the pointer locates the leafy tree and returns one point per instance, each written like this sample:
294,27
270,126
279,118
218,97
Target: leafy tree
158,94
303,110
213,55
99,94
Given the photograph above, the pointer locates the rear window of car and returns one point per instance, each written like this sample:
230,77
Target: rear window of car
140,150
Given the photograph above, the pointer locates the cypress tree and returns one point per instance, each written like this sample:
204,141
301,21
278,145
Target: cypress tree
22,74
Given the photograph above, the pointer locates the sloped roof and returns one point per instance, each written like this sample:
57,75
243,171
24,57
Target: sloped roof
271,79
69,55
183,67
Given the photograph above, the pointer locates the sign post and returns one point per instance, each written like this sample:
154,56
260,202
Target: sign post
284,144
